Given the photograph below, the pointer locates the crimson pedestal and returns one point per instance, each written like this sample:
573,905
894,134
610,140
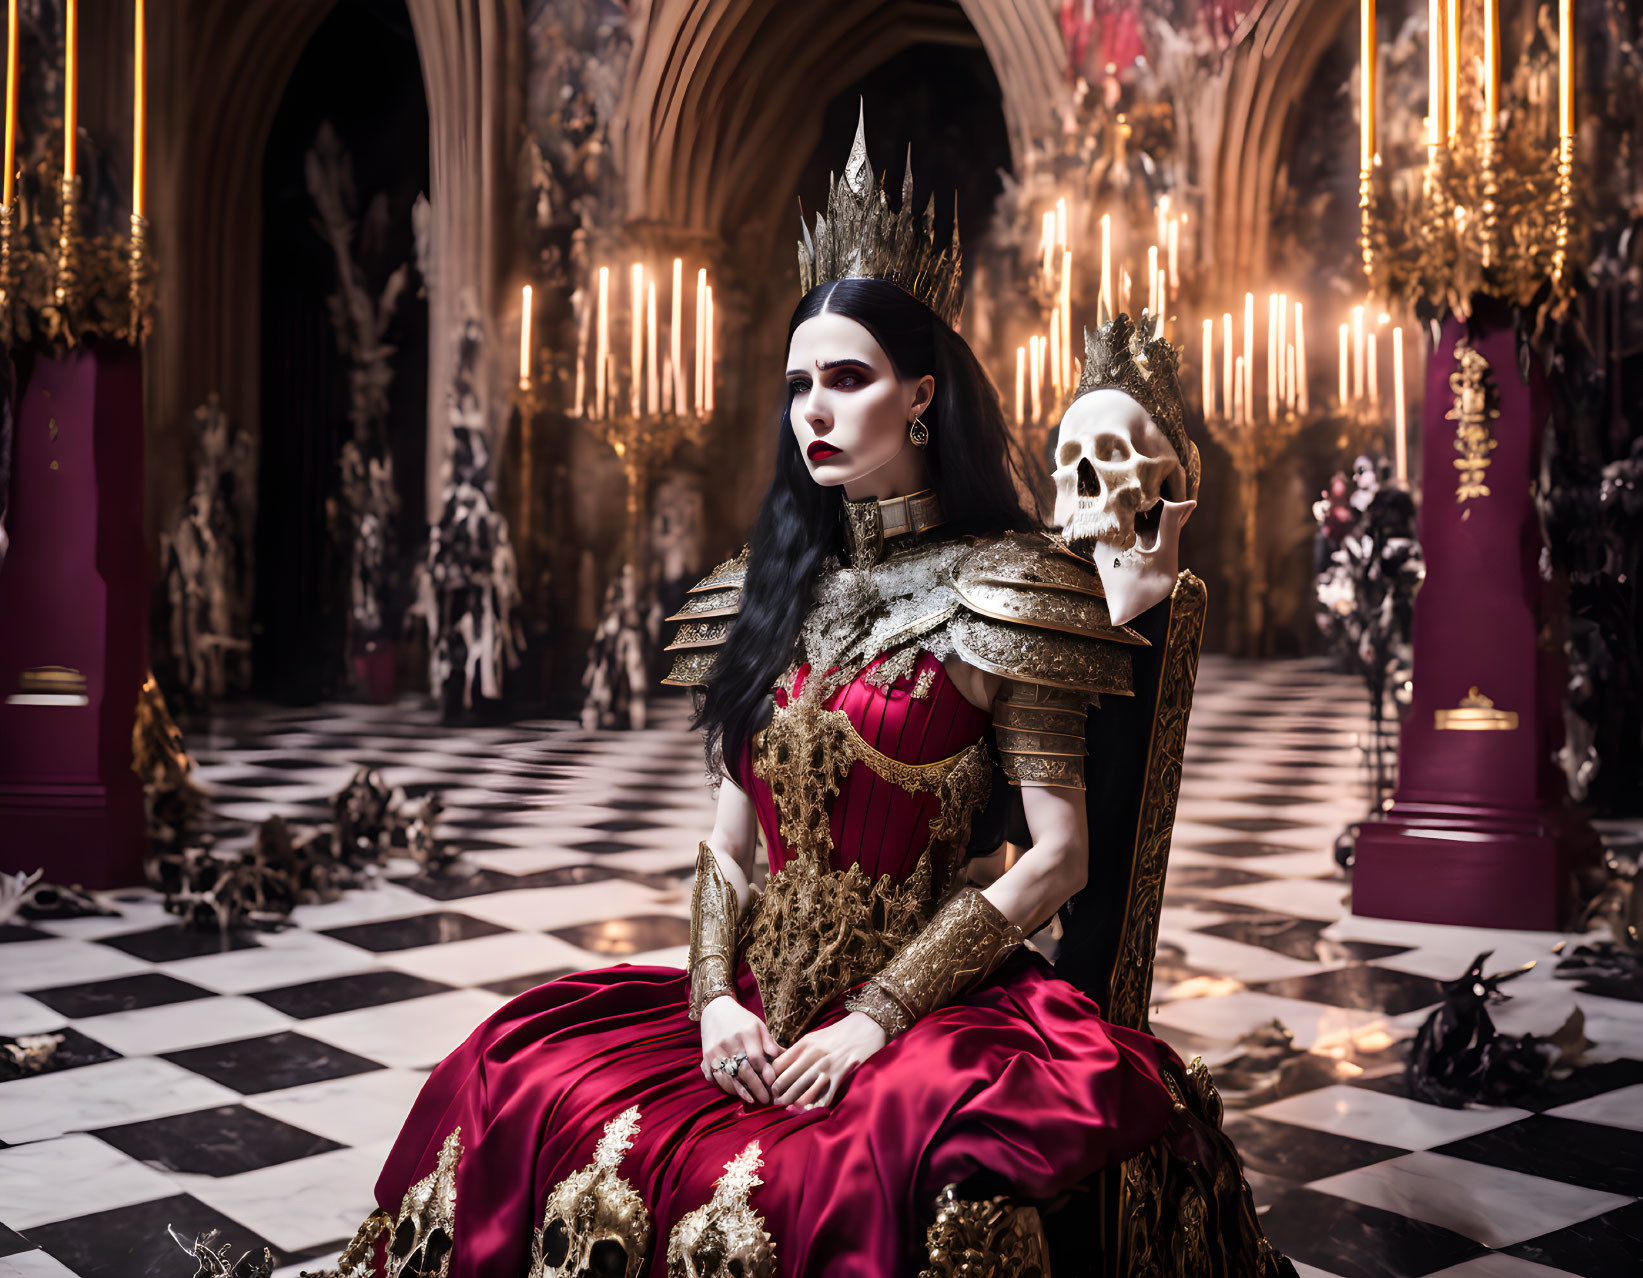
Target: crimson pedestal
74,623
1480,832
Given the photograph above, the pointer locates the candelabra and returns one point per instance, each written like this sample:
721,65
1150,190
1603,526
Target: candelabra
59,285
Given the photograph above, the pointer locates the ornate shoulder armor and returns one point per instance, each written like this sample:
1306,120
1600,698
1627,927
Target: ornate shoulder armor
709,608
1034,612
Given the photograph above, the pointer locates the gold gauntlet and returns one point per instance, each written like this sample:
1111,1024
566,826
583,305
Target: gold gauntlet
963,943
713,913
1040,733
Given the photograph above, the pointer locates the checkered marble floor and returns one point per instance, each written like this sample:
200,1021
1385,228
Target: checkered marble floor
254,1085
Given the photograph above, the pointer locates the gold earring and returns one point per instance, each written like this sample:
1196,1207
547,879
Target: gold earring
918,432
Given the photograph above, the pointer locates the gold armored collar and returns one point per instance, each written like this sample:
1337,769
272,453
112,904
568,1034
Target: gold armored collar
871,525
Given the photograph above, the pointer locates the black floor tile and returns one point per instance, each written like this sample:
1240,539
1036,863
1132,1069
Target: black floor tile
1299,1154
74,1050
22,932
623,825
11,1243
434,928
1256,825
286,1059
1298,938
1371,989
223,1141
131,1242
517,985
1605,1246
1353,1240
452,887
172,941
119,994
1595,1155
348,993
1211,876
1238,847
1585,1082
598,846
635,935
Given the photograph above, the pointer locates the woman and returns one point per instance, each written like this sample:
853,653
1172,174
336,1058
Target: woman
866,1029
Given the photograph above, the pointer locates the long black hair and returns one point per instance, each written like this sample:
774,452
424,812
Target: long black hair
973,467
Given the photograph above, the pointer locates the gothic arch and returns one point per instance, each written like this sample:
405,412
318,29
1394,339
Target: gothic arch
718,104
220,71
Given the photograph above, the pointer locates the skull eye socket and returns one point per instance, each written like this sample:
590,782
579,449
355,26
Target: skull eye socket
555,1242
608,1259
1068,453
1112,448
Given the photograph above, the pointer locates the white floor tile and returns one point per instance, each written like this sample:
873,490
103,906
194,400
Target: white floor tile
356,1110
413,1034
34,1264
93,1096
298,1204
1315,1026
20,1014
542,909
1494,1206
1499,1265
35,1180
39,965
1622,1107
1374,1116
286,958
1304,898
149,1031
490,958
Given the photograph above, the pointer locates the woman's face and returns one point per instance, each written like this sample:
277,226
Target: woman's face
850,412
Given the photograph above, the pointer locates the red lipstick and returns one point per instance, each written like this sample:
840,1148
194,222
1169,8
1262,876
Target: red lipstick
821,450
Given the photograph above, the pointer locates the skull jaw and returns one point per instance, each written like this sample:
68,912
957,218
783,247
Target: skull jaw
1139,576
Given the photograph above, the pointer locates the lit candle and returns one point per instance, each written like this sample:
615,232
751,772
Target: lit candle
1152,278
1400,421
1366,21
1067,316
601,347
1174,256
1565,72
1346,338
71,123
11,99
1249,352
1124,290
1061,223
1055,349
1372,366
1161,211
139,111
1020,384
636,343
1226,363
1451,58
1491,63
1209,368
1240,401
583,324
1300,361
701,336
676,338
525,336
707,394
1105,311
1037,364
1163,309
1357,352
1047,243
1436,93
653,374
1274,352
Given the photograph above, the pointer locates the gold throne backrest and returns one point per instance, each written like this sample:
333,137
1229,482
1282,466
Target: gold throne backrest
1133,774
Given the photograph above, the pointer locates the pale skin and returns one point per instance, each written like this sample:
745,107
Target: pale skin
846,393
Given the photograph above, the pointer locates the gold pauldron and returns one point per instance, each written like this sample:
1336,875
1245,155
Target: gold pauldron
963,943
1040,733
713,912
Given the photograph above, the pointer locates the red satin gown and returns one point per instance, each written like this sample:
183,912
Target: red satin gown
1020,1078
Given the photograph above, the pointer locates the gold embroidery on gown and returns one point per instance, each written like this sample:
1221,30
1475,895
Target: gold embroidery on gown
594,1221
725,1236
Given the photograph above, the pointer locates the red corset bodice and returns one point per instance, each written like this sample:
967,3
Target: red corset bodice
920,719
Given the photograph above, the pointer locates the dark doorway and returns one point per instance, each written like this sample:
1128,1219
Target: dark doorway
360,73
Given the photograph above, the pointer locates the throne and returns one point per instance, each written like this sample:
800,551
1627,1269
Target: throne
1182,1207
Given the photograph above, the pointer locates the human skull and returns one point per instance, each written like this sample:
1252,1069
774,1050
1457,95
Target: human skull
594,1224
1121,498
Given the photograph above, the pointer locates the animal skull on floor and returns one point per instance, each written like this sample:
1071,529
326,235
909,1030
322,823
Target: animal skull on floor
1121,498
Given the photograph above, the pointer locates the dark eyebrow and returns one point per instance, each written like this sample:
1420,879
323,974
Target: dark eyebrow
834,363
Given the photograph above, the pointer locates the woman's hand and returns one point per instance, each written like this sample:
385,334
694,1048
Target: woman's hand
812,1071
728,1028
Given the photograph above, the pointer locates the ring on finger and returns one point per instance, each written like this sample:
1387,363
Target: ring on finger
737,1061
